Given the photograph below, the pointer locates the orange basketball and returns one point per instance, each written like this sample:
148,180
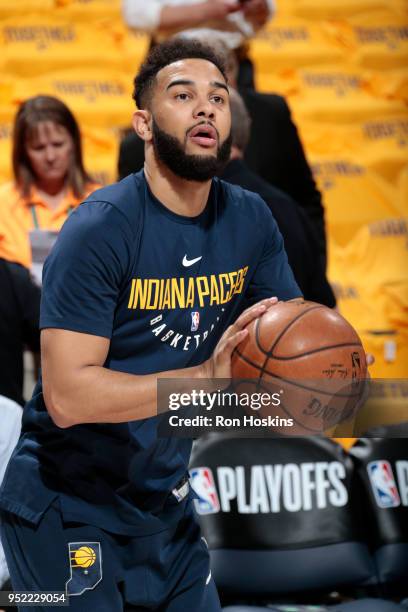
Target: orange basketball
310,354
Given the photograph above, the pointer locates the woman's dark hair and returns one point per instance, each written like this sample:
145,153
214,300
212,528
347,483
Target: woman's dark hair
167,53
32,112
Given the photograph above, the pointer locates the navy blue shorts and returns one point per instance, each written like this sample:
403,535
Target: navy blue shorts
167,572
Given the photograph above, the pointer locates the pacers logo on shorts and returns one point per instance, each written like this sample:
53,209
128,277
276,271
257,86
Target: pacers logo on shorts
85,561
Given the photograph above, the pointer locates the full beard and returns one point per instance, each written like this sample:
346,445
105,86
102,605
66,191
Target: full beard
200,168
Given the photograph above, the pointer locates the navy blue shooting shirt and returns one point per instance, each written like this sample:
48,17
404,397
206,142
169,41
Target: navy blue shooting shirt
163,288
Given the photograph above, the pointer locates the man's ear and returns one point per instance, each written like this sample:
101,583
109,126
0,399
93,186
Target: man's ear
141,121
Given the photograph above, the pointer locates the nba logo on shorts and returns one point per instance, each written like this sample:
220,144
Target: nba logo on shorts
195,320
383,484
202,482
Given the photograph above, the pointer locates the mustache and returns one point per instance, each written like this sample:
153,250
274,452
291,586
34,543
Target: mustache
203,123
171,152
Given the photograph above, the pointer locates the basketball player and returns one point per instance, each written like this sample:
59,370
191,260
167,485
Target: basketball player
155,276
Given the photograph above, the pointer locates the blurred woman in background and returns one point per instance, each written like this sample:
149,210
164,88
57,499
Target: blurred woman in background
49,182
49,176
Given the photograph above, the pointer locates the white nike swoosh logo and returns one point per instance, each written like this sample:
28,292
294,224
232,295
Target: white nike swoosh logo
189,262
208,579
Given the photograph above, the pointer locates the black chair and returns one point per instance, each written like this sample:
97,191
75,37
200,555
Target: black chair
279,520
381,465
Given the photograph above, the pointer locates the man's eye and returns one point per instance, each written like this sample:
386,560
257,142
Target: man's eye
218,99
182,96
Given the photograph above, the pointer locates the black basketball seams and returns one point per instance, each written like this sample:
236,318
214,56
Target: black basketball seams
318,350
282,405
248,361
296,383
290,381
284,330
262,369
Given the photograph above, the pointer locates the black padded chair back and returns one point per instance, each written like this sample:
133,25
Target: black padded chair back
277,514
382,469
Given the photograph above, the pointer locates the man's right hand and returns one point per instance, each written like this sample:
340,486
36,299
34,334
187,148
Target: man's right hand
218,9
256,11
219,364
186,16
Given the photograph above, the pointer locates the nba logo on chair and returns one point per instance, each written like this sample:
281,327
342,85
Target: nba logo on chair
202,482
383,484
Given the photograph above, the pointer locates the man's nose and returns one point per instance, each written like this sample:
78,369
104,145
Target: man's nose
204,109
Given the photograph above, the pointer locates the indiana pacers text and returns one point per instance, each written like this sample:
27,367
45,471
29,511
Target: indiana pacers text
198,291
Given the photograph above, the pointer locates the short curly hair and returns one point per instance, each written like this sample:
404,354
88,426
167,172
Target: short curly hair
167,53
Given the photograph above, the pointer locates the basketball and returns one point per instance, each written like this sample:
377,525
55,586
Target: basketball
311,355
85,556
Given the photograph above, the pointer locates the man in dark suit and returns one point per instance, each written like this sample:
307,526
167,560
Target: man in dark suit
276,154
274,150
299,235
